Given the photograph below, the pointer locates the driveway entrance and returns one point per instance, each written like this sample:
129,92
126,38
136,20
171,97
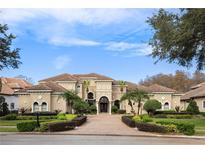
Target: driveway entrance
104,124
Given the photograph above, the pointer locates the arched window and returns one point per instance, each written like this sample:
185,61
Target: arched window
166,106
35,107
90,95
44,106
12,106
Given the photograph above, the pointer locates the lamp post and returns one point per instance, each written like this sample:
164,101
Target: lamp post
37,119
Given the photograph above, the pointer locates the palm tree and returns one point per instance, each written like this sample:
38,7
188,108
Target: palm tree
135,96
122,85
86,84
70,97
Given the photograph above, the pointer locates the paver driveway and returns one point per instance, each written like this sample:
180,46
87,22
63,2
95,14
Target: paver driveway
105,124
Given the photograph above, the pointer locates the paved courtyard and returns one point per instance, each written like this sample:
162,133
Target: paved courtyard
105,124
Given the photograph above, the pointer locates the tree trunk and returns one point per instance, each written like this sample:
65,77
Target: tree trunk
0,84
138,108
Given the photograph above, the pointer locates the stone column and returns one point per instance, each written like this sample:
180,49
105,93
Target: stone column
110,107
97,106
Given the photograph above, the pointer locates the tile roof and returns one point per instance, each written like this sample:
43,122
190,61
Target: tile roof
159,88
48,86
75,77
61,77
10,85
95,75
133,86
195,92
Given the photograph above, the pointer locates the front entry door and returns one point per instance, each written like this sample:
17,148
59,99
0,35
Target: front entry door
103,107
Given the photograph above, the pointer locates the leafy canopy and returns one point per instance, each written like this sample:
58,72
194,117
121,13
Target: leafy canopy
152,105
8,57
179,37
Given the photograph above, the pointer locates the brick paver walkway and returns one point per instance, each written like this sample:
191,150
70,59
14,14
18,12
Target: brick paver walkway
105,124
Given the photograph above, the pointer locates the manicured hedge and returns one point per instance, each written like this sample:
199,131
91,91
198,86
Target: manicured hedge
128,121
202,113
147,127
9,117
61,126
120,111
34,117
79,120
26,126
183,127
172,112
173,116
40,114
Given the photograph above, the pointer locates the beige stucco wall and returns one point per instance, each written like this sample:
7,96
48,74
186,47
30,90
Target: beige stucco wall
172,99
68,85
58,103
199,102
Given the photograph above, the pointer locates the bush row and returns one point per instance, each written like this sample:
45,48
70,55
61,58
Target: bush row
142,126
142,118
15,117
128,121
79,120
183,127
172,112
183,116
61,126
40,114
26,126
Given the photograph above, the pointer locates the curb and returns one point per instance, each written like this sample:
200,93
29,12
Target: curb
154,135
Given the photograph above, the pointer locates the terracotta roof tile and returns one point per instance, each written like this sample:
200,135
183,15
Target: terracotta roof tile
61,77
95,75
9,85
133,86
195,93
159,88
48,86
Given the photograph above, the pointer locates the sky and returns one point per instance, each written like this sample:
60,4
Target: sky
112,42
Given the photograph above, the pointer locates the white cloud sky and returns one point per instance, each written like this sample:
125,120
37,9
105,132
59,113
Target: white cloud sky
129,49
59,27
61,61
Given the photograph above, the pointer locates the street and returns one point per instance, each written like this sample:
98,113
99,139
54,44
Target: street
18,139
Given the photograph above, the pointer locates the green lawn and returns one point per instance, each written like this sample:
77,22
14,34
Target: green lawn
14,122
199,123
8,130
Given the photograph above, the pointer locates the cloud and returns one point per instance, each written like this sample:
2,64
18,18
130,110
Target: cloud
128,49
61,61
60,41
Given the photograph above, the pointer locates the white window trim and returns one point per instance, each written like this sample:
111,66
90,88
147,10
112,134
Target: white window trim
46,106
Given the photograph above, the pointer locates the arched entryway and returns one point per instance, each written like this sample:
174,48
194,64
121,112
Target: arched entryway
103,104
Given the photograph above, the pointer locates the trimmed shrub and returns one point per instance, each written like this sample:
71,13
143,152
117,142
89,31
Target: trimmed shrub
192,107
79,120
128,121
152,105
120,111
114,109
171,128
61,116
146,118
9,117
172,112
26,126
93,109
34,117
150,127
160,116
202,113
45,113
61,126
185,116
137,119
183,127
